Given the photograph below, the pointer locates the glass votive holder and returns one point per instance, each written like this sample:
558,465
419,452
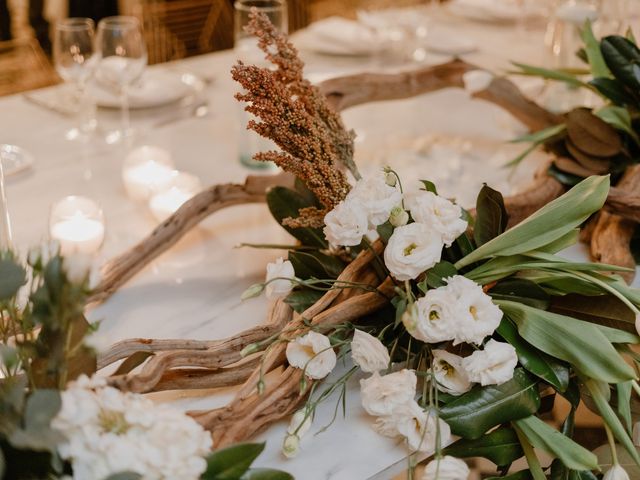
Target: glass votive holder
146,170
77,223
182,187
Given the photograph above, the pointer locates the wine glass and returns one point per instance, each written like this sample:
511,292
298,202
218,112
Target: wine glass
75,59
123,58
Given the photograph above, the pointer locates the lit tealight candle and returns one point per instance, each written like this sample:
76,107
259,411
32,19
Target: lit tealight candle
182,187
77,223
147,170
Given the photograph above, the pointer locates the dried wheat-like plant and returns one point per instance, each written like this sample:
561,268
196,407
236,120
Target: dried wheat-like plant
294,114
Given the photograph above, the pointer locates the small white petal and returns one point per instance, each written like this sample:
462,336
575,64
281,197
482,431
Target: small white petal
451,377
446,468
313,354
282,270
382,394
368,352
492,366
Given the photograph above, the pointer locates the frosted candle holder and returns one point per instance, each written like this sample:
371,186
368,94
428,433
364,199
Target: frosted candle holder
147,170
182,187
77,223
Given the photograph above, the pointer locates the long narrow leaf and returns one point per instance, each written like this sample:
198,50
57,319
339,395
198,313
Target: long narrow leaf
594,55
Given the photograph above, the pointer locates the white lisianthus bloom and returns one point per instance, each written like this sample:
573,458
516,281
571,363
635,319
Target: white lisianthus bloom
420,428
411,250
382,394
280,269
346,224
477,80
477,315
298,426
368,352
439,214
377,198
77,267
492,366
446,468
451,377
108,431
616,472
435,317
313,354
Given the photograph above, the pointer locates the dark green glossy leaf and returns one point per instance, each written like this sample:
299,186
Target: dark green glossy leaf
385,231
266,474
605,310
133,361
429,186
533,360
302,299
475,412
2,464
12,277
286,203
613,90
550,440
620,118
620,55
437,274
491,215
577,342
232,462
564,178
521,290
42,405
501,446
315,265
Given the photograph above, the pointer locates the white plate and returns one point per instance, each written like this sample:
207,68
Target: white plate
338,36
495,11
14,159
155,88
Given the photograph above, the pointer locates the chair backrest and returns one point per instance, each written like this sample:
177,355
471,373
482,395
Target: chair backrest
177,29
24,66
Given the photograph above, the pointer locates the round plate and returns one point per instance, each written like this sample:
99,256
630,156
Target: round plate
14,159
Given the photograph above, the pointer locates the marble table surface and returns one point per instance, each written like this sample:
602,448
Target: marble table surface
193,291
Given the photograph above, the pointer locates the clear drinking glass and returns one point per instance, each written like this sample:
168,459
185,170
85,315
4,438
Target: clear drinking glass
246,47
74,58
123,58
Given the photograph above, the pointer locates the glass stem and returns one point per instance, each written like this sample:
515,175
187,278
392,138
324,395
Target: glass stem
6,238
126,121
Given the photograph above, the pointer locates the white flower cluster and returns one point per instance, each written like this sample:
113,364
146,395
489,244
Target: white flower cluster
313,354
279,276
413,247
109,432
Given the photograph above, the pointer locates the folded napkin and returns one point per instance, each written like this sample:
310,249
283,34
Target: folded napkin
339,36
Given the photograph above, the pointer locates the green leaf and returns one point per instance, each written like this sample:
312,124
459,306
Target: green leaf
613,90
475,412
533,360
594,55
620,118
577,342
500,446
620,55
429,186
521,290
521,475
124,476
302,299
597,390
437,274
232,462
266,474
564,177
133,361
286,203
491,215
42,405
385,231
558,75
541,136
315,265
12,277
624,404
551,222
547,438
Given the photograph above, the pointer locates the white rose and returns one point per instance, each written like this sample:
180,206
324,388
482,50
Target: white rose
492,366
346,224
281,269
368,352
382,394
476,80
411,250
77,267
312,353
435,317
377,198
477,315
446,468
419,427
439,214
616,473
450,375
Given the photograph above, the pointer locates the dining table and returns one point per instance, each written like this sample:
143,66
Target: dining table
193,291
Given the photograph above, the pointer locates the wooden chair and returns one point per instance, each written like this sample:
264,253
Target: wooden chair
177,29
24,66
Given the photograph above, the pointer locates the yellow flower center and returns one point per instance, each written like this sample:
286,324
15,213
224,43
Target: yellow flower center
434,315
474,312
409,250
113,422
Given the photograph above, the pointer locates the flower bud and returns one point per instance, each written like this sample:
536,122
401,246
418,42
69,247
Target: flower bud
410,318
398,217
616,473
249,349
390,179
291,446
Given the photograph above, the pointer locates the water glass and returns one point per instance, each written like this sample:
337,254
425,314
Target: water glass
123,58
246,48
74,58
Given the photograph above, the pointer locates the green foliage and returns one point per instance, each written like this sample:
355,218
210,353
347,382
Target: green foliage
491,216
501,446
12,277
315,264
303,298
233,463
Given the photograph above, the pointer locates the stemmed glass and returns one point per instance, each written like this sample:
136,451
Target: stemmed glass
123,58
75,59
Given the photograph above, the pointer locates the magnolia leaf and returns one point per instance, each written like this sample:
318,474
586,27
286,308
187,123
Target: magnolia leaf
265,474
475,412
551,222
594,165
620,118
302,299
315,265
232,462
436,274
591,134
500,446
547,438
385,231
521,475
577,342
134,360
620,55
533,360
562,177
491,215
12,277
594,55
286,203
613,90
